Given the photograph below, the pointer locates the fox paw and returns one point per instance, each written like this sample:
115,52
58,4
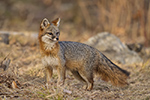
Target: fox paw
60,83
49,84
85,87
88,88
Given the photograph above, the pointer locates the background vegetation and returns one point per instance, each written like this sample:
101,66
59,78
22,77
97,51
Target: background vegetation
84,18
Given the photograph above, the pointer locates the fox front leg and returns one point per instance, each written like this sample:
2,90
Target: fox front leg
61,75
49,73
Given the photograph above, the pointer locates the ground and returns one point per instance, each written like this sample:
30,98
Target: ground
25,79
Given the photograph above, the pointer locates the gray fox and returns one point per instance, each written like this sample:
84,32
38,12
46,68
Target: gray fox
82,60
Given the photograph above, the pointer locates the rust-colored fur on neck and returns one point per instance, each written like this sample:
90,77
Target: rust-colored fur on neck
53,51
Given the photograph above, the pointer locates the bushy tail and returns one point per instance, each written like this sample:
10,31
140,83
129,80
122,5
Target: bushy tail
108,71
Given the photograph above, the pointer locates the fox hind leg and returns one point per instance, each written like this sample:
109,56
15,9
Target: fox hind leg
88,77
78,76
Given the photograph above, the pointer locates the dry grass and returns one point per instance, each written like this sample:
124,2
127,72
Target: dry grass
27,72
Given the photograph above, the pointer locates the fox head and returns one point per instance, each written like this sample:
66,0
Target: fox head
49,32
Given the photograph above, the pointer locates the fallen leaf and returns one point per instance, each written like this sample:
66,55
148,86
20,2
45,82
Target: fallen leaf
14,85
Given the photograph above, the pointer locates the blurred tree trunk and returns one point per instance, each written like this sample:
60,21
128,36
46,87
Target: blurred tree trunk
144,22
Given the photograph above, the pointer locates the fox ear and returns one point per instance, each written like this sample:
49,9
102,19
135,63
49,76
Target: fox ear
44,23
56,22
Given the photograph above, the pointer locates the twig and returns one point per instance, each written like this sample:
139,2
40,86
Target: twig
5,63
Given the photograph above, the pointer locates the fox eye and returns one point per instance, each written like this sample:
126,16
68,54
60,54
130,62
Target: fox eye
57,33
50,33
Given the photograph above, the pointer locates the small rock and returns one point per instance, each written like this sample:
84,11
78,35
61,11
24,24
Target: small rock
67,91
4,37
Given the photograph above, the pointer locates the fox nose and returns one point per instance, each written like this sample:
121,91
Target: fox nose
57,39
